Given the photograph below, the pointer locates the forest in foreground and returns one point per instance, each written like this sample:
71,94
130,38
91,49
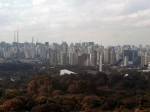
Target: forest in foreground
84,92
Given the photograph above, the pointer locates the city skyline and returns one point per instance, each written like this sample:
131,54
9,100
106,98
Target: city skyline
85,54
113,22
34,41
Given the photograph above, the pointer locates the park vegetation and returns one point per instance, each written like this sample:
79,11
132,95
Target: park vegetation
39,91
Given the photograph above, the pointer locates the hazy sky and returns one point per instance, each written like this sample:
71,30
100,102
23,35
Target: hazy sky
112,21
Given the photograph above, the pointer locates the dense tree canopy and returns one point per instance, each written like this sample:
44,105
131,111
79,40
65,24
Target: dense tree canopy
38,92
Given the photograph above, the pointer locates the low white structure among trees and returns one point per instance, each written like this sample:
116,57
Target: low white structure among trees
65,71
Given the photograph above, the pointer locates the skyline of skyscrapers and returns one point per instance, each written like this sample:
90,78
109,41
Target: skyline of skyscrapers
84,54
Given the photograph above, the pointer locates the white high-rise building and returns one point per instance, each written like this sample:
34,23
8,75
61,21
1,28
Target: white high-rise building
145,60
93,59
126,61
118,52
73,58
32,51
100,63
90,49
99,51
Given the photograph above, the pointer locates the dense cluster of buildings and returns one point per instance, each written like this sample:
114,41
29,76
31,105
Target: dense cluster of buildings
84,54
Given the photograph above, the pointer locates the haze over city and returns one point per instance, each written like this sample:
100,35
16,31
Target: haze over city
112,21
74,56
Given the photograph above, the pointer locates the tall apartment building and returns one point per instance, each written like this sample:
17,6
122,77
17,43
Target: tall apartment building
112,57
100,63
107,55
82,58
131,54
87,62
73,58
93,58
53,57
63,58
145,60
32,50
42,52
118,52
64,47
126,61
56,47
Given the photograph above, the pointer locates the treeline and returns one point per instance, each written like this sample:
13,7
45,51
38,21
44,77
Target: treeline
79,92
15,66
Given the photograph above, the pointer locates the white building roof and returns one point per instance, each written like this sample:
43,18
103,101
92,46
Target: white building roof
65,71
126,75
